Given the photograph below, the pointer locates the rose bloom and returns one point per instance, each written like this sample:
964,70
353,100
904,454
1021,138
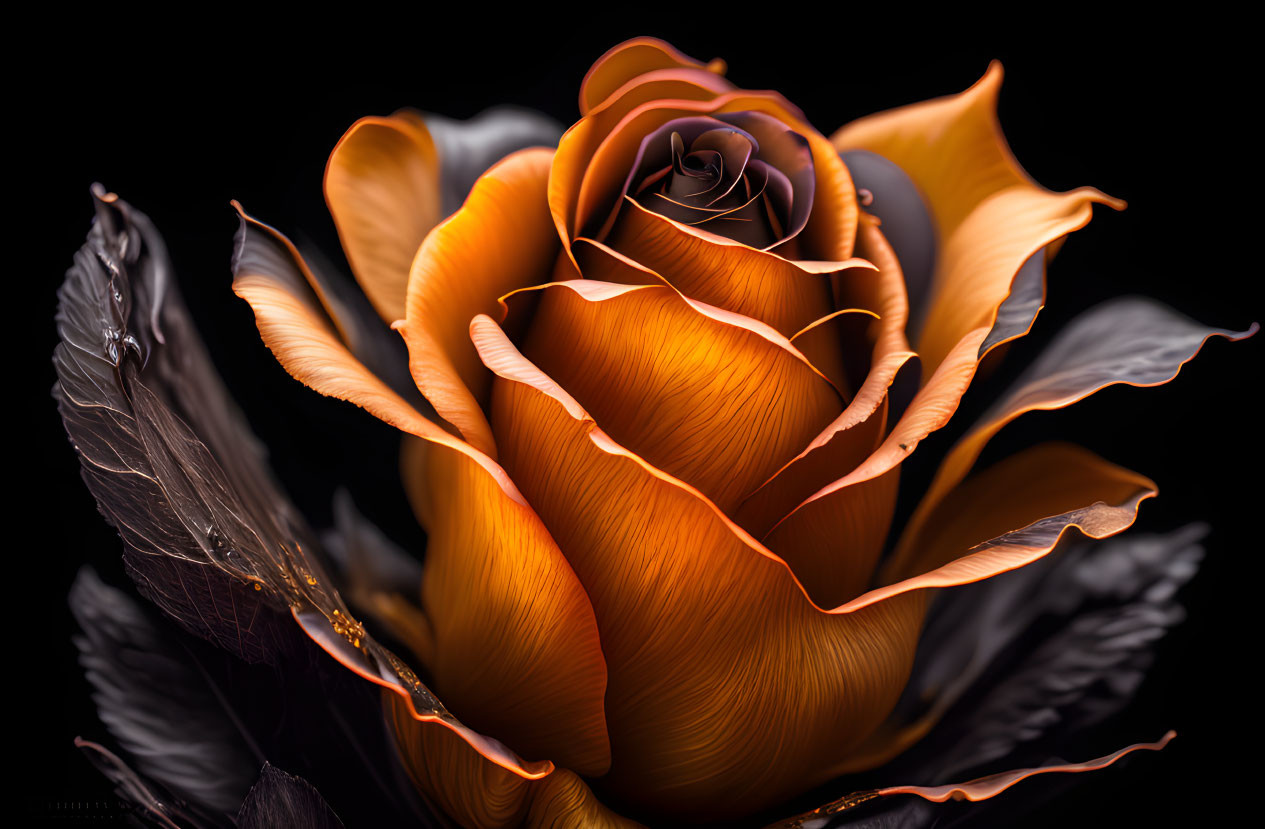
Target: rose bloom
660,383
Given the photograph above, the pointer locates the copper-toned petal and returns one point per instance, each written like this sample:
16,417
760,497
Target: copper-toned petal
852,437
715,399
630,59
295,327
489,565
1050,479
787,295
838,346
481,795
1130,340
990,216
500,240
728,689
382,188
515,644
983,788
980,788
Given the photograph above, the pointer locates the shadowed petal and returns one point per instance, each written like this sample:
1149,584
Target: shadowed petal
1130,340
382,188
594,156
716,400
990,217
907,224
468,149
500,240
280,799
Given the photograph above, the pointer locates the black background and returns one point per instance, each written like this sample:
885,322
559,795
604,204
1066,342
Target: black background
178,117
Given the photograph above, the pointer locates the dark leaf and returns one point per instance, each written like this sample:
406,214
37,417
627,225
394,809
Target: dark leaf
281,799
158,703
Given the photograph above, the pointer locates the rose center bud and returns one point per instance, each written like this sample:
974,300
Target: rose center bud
743,175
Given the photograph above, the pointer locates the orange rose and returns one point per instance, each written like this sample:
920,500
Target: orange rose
676,364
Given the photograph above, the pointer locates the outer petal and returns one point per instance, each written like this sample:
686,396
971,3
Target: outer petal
468,149
500,240
718,401
530,667
1050,479
382,187
481,795
990,216
515,644
630,59
728,690
1129,340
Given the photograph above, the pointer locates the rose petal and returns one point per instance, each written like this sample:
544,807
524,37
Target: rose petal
907,223
594,157
989,215
1130,340
476,793
838,346
787,295
500,240
1050,479
629,60
980,788
707,398
515,644
847,441
468,149
727,689
382,188
489,561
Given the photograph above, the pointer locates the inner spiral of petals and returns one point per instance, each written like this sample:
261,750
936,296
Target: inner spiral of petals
712,173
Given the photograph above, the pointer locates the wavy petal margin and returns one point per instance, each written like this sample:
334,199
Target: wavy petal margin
978,789
989,215
1131,341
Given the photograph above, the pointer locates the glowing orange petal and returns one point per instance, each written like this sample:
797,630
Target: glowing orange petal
983,788
837,345
1050,479
515,645
980,788
476,793
500,240
991,217
630,60
1131,341
787,295
710,397
490,565
382,188
298,331
853,435
728,690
